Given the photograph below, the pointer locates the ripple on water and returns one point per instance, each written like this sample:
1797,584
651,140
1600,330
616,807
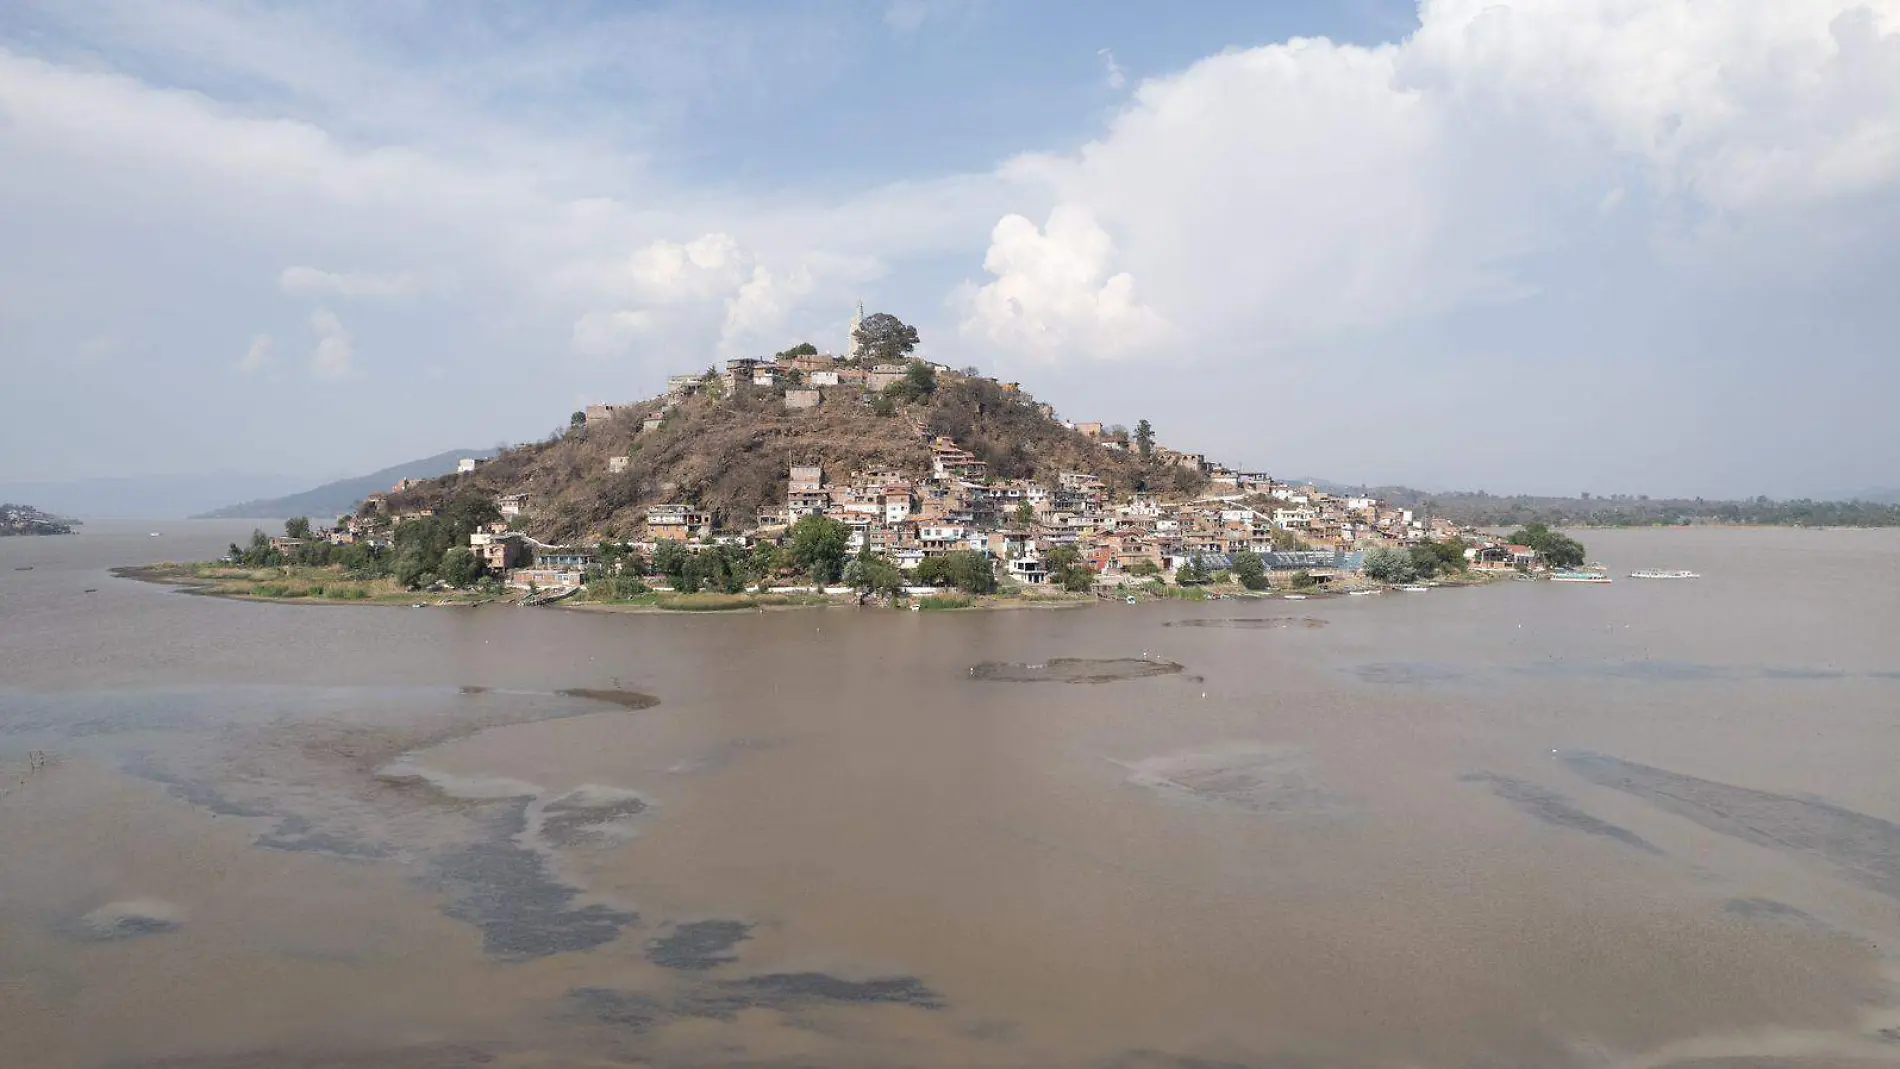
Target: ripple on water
1253,623
1074,670
1252,777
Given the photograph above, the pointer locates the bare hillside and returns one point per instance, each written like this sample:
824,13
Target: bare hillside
732,455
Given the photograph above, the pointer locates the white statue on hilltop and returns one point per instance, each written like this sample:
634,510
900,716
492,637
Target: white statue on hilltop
851,339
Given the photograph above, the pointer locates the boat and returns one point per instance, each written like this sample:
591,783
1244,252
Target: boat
1294,597
1579,577
1415,589
1660,573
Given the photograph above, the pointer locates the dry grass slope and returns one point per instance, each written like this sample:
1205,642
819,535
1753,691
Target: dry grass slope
732,456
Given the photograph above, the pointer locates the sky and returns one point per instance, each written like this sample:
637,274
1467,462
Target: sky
1549,246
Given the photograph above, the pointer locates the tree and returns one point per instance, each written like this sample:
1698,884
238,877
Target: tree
1025,515
1191,573
965,569
298,527
1250,570
875,574
1303,580
818,547
460,566
884,337
1434,558
1068,571
1557,550
1389,566
803,348
577,421
1145,437
669,560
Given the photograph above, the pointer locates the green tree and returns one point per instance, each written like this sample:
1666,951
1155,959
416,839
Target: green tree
1557,550
884,337
803,348
1303,580
669,560
1067,570
297,527
1250,570
875,574
460,566
965,569
1389,566
1025,515
818,546
577,421
1145,437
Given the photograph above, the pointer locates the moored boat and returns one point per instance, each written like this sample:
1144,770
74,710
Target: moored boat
1661,573
1579,577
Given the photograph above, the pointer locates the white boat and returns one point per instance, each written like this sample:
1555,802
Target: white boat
1579,577
1294,597
1415,589
1659,573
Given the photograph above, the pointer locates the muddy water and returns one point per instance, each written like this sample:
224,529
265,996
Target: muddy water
1647,824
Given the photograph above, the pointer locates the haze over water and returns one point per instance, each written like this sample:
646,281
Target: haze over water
1648,824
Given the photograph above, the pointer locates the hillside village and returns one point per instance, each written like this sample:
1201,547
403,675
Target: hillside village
1123,508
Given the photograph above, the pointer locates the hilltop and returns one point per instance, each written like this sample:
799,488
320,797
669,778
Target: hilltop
730,453
335,498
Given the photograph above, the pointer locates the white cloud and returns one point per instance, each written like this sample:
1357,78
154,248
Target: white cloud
1116,77
334,356
312,282
708,266
1307,190
258,357
601,334
1053,291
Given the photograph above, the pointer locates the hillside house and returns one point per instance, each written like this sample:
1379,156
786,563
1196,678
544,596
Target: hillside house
884,375
602,413
511,504
498,553
677,522
618,465
1091,431
653,423
827,377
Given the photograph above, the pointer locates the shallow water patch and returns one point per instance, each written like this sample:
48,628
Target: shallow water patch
1074,670
126,920
589,814
1253,623
1554,809
698,945
1865,848
507,891
725,999
626,699
1252,777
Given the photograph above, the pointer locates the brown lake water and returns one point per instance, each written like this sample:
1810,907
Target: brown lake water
1648,824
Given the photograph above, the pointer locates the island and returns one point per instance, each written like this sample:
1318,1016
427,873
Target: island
874,477
27,520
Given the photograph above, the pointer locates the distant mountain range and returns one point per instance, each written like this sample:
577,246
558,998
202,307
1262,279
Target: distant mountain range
149,497
333,499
